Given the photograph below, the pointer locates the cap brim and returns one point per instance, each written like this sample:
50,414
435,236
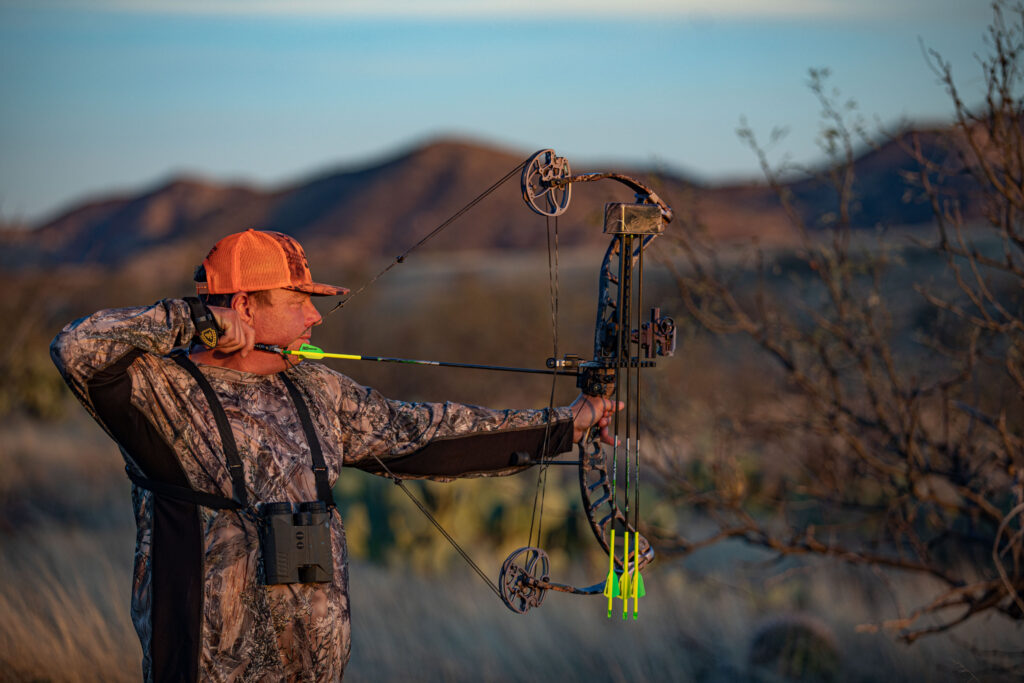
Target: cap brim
317,289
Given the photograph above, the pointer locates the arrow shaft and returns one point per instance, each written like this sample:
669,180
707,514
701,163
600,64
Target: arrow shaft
470,366
317,355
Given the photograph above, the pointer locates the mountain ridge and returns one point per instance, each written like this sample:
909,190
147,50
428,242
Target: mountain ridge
386,205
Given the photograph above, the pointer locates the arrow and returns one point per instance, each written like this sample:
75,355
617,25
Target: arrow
624,589
611,584
638,580
311,352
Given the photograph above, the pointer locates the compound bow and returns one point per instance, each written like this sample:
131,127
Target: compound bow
546,183
547,189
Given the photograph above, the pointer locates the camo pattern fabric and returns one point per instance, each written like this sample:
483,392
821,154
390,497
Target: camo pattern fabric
252,632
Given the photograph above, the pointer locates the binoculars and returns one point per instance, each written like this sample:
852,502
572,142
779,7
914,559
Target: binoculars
296,543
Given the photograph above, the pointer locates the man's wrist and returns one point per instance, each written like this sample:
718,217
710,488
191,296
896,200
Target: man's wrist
207,330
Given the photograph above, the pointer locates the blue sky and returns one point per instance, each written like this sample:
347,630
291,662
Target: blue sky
108,96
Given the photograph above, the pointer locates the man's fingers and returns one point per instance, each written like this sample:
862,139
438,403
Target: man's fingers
236,335
229,341
595,411
606,436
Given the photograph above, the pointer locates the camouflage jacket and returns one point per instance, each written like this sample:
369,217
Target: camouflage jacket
198,602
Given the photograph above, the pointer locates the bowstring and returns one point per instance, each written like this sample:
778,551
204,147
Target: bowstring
542,473
451,219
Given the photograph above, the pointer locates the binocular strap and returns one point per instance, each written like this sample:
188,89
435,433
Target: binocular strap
323,487
240,499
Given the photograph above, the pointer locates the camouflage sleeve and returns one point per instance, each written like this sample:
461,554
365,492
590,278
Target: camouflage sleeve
93,344
445,440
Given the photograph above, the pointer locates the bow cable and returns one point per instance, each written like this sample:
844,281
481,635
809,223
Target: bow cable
451,219
433,520
401,259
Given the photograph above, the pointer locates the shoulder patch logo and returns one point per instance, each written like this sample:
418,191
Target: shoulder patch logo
209,337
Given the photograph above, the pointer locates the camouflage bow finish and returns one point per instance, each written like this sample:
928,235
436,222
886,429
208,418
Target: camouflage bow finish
547,184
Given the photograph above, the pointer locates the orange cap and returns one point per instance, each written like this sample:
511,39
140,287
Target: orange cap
259,259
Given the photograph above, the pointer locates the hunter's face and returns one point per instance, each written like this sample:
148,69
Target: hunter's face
287,321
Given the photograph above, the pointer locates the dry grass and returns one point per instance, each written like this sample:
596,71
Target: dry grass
64,603
67,540
64,618
64,606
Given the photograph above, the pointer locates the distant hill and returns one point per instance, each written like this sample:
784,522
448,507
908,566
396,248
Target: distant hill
380,209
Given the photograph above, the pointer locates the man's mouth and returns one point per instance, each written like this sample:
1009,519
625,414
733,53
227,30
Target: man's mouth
298,342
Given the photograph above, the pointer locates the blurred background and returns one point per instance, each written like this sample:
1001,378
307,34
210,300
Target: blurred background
832,465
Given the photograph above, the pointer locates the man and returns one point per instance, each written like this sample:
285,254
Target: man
216,438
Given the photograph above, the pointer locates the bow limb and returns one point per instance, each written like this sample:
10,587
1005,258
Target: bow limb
644,194
612,353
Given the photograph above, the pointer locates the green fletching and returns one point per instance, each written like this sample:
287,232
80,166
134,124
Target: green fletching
310,351
612,585
624,585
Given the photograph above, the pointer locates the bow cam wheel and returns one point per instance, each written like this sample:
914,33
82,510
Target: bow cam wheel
542,191
519,576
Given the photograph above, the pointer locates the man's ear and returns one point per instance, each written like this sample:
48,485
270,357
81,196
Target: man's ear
244,305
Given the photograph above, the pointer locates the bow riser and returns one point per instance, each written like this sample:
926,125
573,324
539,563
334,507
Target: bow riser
613,340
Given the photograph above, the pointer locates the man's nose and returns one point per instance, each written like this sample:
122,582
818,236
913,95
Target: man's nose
313,316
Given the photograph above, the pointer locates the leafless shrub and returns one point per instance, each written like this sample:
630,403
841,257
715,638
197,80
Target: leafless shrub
893,433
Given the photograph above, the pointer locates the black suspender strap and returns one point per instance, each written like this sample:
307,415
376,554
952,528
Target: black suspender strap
323,488
234,463
226,437
210,500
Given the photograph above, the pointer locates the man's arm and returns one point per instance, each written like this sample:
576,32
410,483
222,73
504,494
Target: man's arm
522,438
491,443
443,440
106,341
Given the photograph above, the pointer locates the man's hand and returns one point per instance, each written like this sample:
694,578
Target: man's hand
237,335
591,411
